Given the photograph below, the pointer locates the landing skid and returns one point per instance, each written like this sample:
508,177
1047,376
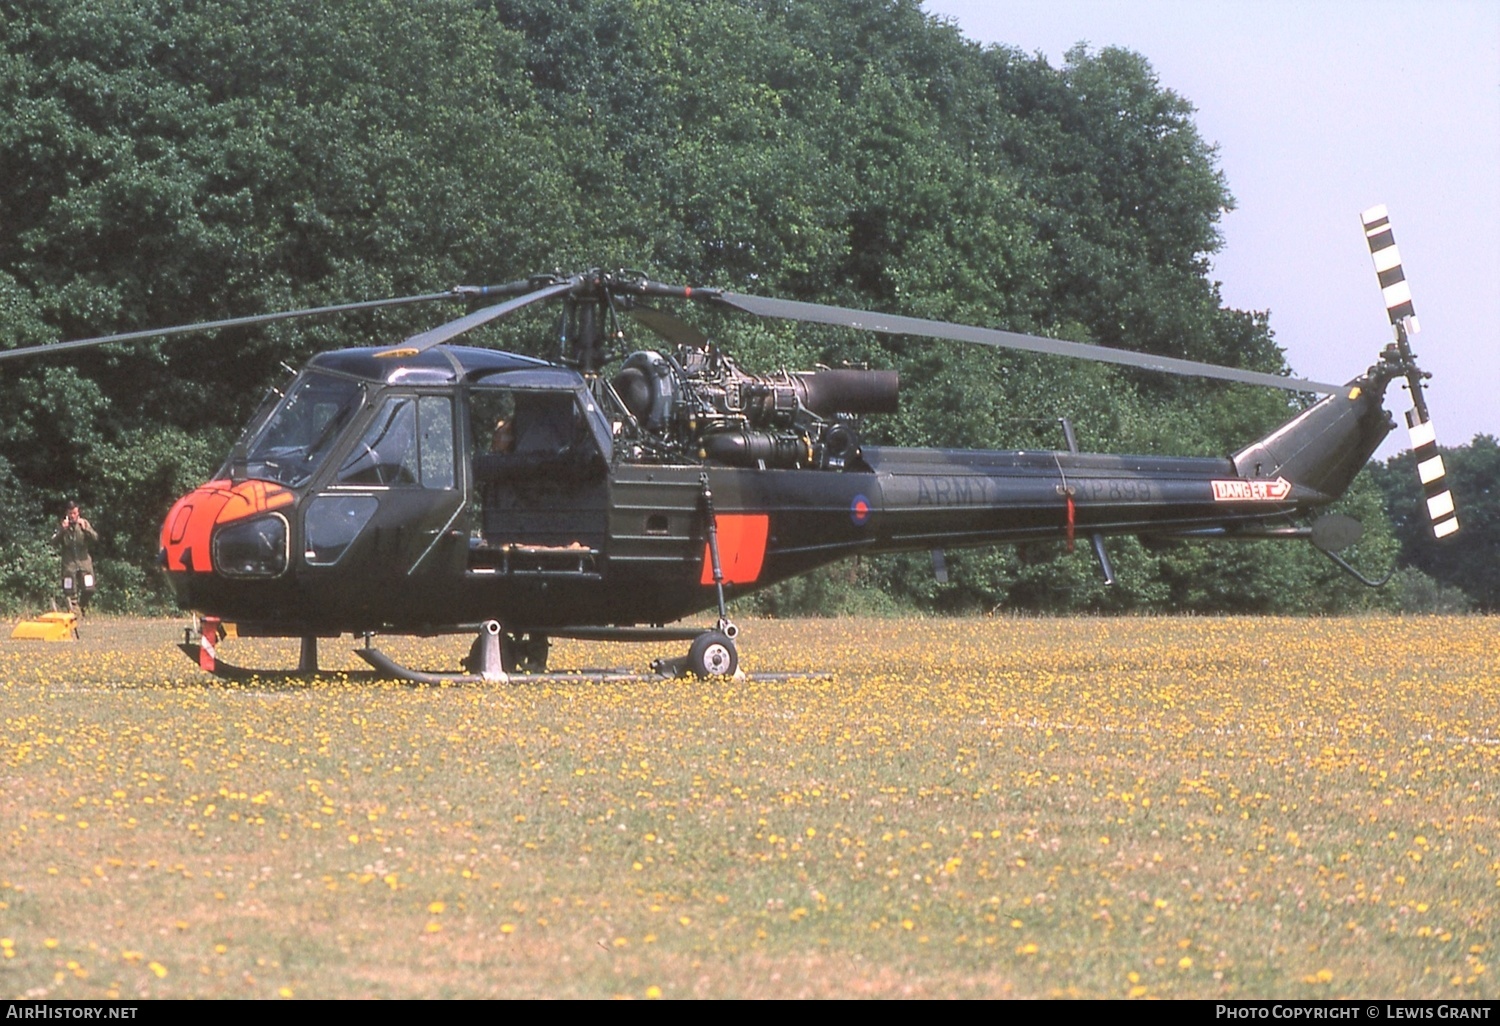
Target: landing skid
228,671
388,669
712,656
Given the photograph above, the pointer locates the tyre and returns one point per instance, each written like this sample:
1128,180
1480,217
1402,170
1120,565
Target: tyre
713,655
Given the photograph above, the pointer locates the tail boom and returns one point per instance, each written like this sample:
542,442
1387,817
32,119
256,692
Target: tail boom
939,498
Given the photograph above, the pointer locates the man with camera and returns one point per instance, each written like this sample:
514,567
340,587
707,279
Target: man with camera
75,534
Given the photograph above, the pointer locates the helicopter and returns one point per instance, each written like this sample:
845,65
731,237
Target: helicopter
430,488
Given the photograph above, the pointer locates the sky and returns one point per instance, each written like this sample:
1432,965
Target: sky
1321,109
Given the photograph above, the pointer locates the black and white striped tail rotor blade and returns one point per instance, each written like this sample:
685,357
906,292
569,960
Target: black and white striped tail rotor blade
1396,292
1434,477
1393,285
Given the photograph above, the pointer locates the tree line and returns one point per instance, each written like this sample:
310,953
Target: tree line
169,161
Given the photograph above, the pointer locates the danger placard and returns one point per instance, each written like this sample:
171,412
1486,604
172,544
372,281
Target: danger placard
1244,490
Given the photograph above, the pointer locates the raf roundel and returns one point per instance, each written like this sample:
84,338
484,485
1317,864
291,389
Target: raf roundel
859,510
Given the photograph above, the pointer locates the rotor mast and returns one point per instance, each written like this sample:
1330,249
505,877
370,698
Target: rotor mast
590,312
584,324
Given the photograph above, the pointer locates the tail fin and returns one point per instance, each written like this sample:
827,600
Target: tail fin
1326,445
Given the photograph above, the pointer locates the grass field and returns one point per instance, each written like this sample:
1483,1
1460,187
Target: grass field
974,808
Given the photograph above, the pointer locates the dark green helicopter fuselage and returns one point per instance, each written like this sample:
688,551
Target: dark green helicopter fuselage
369,500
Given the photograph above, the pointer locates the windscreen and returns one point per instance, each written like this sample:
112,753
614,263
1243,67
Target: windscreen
300,432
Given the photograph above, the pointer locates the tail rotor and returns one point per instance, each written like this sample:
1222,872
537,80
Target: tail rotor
1398,303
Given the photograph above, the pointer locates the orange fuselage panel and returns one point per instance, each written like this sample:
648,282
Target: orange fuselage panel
742,547
187,532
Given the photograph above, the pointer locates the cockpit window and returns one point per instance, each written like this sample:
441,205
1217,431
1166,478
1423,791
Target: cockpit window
410,442
300,432
535,421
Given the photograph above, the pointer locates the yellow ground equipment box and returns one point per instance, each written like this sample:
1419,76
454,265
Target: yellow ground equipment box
48,627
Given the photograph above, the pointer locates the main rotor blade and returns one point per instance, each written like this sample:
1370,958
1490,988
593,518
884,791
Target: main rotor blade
894,324
233,322
425,340
669,327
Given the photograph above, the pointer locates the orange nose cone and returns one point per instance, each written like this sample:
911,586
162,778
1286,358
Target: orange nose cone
188,530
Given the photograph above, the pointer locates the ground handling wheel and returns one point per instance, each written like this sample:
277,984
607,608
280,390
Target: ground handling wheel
713,655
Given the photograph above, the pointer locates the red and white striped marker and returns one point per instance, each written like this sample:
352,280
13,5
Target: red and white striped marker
209,637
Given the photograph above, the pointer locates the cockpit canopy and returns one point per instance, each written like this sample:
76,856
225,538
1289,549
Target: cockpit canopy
410,436
292,442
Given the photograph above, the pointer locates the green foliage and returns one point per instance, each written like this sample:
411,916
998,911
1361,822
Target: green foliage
1412,591
29,565
848,589
168,161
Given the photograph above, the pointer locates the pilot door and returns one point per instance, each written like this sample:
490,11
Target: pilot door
541,485
392,500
